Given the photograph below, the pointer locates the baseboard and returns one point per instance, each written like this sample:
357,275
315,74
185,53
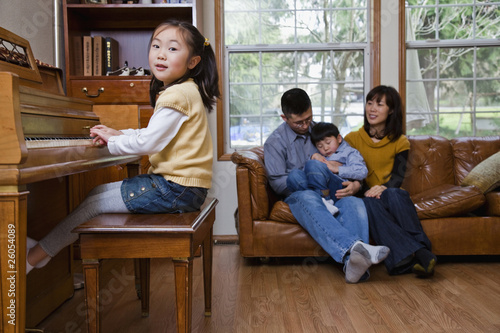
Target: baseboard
226,240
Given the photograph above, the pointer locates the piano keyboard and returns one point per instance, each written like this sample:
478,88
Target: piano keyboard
41,142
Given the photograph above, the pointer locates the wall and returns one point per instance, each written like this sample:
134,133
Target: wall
33,20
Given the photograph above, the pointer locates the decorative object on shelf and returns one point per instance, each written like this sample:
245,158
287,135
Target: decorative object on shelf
127,71
95,2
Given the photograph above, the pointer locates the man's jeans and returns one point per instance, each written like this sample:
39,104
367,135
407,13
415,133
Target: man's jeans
315,176
335,235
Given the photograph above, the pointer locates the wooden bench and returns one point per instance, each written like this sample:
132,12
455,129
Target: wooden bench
145,236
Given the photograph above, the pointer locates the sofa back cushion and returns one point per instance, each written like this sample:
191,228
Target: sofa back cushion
470,151
430,163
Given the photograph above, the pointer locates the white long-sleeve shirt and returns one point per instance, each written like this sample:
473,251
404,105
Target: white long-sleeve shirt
162,128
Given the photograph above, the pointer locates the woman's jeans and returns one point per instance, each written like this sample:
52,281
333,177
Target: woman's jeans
394,223
317,177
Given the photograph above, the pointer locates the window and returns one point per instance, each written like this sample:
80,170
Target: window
452,67
272,46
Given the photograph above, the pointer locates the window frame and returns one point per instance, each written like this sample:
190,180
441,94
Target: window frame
372,60
434,45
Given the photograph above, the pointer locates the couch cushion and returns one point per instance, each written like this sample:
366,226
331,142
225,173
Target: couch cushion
281,212
485,175
430,163
447,200
470,151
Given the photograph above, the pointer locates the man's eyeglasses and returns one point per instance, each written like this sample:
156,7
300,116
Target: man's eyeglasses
302,123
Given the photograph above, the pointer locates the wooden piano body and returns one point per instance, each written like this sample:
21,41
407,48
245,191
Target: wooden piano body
41,180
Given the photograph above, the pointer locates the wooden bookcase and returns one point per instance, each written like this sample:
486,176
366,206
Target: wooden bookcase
131,25
119,97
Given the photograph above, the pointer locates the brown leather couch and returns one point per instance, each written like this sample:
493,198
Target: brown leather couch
459,220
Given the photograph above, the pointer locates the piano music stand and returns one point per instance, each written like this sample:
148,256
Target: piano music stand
16,56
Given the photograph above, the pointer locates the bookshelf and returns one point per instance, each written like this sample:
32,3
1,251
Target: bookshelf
129,24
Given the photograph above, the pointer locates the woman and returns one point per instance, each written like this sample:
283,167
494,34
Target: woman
392,217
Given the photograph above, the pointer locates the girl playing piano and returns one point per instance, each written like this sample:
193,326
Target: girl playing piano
177,140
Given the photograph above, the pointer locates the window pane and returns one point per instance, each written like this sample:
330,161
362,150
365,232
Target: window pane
242,28
350,26
488,107
422,23
244,100
244,67
275,4
488,64
277,27
240,5
278,67
456,23
423,66
456,63
488,21
452,125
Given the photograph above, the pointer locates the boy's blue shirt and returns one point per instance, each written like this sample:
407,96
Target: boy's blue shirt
354,166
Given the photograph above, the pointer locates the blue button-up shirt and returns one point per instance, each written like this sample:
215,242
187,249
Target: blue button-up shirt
354,167
285,150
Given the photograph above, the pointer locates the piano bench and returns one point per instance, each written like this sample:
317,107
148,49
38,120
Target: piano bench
145,236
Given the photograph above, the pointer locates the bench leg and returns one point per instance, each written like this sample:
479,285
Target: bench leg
207,272
144,264
91,278
183,268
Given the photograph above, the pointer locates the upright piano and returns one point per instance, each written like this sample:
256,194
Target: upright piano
44,151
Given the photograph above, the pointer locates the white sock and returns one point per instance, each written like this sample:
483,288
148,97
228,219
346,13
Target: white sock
357,265
330,206
28,267
30,243
376,254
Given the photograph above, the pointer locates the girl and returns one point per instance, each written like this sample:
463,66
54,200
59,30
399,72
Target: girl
392,217
177,140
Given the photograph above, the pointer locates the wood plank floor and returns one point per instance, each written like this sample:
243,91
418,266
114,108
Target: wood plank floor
297,295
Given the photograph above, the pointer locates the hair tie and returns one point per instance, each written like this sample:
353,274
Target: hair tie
207,42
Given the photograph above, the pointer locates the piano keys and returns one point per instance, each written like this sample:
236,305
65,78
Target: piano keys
44,147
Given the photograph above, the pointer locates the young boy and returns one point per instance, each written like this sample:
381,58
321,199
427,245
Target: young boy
343,163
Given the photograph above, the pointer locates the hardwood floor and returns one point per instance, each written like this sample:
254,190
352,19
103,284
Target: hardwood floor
297,295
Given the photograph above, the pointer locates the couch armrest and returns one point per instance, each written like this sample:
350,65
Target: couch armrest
447,200
492,207
255,189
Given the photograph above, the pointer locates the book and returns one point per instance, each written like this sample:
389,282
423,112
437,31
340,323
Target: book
76,56
112,61
87,55
99,56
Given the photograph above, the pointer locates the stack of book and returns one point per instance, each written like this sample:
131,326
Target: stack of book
94,55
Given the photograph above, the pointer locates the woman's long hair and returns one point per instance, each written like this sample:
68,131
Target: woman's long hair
394,122
205,73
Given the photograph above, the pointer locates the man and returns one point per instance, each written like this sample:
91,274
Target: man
343,236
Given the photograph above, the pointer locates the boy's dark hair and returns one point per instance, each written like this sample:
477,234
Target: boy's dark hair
205,74
295,101
322,130
394,123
